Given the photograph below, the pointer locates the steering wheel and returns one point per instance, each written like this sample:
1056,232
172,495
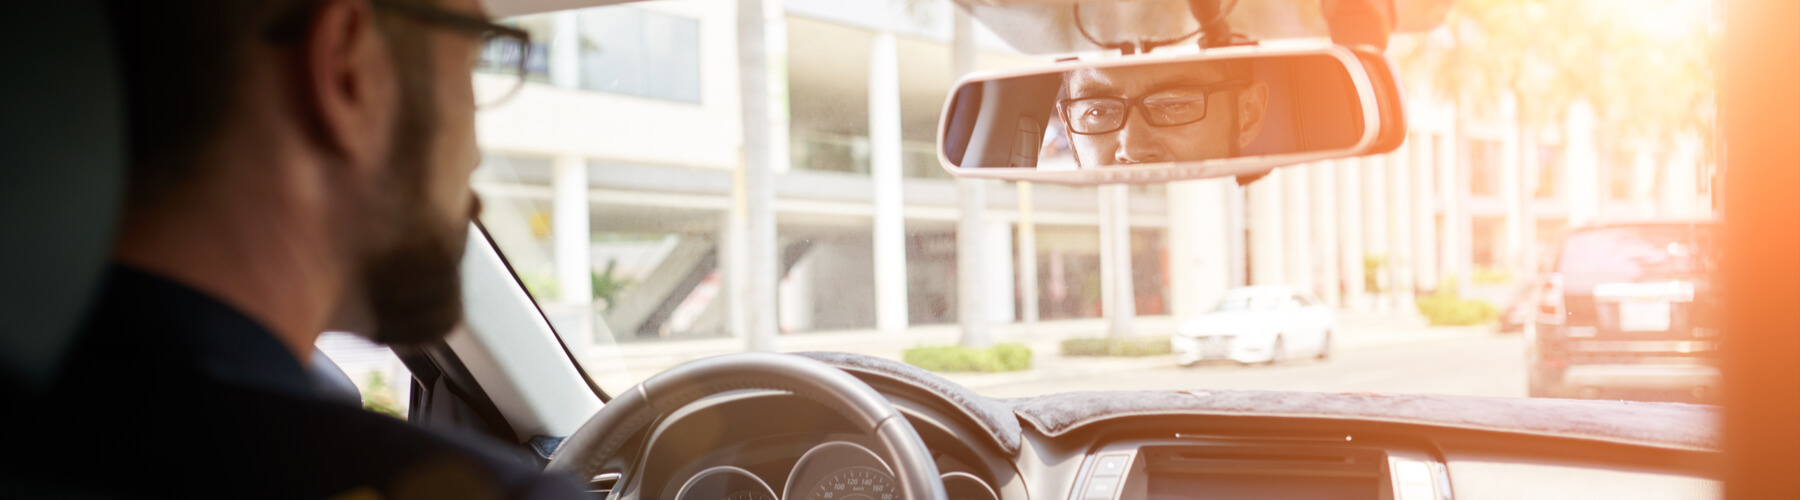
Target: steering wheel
627,414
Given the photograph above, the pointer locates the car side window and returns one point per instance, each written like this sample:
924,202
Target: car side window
384,381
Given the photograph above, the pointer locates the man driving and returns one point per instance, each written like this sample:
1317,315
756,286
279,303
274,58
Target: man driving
296,166
1135,114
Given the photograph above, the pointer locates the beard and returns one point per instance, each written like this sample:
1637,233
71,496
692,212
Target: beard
412,281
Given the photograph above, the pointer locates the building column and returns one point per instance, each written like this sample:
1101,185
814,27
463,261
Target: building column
798,295
1375,230
889,245
1325,232
573,248
972,198
998,267
1115,254
759,102
1453,189
1400,244
1237,241
1424,212
1581,165
733,263
1199,264
1028,266
1350,231
1296,226
1528,183
1267,262
1512,195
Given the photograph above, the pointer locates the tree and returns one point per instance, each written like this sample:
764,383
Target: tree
1649,76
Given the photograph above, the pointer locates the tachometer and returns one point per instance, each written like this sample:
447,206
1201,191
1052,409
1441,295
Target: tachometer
854,483
725,483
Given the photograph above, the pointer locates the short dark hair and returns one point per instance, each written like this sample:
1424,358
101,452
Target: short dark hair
182,62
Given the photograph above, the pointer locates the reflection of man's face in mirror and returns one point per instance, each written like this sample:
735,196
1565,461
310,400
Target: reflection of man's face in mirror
1161,112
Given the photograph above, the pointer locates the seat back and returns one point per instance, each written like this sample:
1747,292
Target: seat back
62,153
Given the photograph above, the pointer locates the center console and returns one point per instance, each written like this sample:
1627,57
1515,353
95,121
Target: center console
1195,467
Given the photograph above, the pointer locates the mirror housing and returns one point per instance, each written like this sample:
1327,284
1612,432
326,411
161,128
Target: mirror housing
1258,108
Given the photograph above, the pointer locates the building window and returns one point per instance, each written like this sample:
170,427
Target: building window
1484,167
632,51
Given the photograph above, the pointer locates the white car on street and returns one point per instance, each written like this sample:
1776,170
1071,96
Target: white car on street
1258,324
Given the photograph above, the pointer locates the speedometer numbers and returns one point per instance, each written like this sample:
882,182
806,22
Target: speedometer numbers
855,483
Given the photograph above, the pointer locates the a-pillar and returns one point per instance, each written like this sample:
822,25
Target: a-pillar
889,245
1296,224
1375,230
1118,290
1325,231
1267,263
1199,258
1350,231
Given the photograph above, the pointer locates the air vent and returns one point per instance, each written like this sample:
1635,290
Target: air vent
602,485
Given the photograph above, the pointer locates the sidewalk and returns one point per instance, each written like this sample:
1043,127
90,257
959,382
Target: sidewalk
633,361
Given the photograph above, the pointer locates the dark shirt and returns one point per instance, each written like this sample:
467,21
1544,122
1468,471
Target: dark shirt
170,393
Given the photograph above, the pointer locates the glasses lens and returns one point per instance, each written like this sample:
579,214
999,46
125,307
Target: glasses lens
1175,106
499,69
1096,115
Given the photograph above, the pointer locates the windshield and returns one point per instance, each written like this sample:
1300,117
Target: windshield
670,187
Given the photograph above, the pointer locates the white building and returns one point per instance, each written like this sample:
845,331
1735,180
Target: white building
624,153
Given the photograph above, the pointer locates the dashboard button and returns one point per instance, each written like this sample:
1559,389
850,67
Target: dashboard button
1101,488
1111,465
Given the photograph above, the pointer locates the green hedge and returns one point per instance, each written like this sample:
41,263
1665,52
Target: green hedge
955,358
1448,309
1115,347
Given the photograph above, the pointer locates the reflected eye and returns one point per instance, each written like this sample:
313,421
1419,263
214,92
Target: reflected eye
1100,111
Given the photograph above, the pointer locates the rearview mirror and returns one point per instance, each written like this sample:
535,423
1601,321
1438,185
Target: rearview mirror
1227,112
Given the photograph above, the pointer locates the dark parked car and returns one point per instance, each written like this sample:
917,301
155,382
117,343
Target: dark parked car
1629,309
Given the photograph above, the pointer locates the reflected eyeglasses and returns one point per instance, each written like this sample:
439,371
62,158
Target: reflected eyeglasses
1166,107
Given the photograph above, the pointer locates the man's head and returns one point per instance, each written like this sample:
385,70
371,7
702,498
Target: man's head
334,136
1161,112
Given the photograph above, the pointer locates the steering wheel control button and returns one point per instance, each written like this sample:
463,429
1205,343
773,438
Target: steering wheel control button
1111,465
1101,488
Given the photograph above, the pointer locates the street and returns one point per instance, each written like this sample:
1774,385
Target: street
1488,365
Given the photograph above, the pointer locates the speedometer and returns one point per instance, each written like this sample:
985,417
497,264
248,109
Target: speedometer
854,483
725,483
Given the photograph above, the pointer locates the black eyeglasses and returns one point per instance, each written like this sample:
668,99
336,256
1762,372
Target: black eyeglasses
504,50
1166,107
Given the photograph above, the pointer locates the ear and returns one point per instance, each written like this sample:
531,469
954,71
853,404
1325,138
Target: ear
1251,103
349,82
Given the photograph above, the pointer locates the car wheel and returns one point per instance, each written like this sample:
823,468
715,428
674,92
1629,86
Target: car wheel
1324,347
1278,351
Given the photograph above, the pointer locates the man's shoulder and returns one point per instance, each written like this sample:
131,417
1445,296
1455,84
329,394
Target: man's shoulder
233,441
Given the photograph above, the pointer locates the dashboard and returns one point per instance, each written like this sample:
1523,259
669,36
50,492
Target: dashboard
771,445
